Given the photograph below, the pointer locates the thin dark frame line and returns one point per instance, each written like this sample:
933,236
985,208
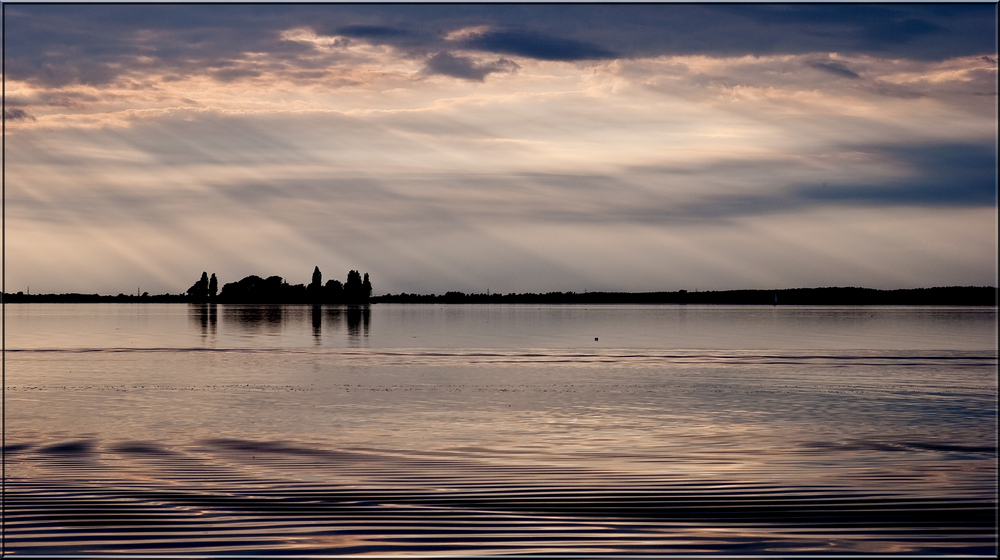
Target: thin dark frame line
3,301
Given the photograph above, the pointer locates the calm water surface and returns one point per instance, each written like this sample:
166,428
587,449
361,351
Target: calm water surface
424,429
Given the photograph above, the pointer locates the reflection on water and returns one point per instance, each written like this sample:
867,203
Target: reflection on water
317,322
477,430
206,316
358,318
665,327
278,319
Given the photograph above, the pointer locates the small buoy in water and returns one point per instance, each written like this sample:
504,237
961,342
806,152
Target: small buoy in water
595,339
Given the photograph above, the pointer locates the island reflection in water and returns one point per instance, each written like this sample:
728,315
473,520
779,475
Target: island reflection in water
263,319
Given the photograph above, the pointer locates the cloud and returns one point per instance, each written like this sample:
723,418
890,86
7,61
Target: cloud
835,68
929,175
897,31
99,45
966,82
466,32
371,31
233,74
467,68
936,175
17,115
692,141
63,45
538,46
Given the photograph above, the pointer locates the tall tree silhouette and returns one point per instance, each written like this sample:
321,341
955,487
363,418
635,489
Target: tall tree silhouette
366,288
199,290
213,287
315,289
354,288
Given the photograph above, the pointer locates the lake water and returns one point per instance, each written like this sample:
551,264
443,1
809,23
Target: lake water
499,429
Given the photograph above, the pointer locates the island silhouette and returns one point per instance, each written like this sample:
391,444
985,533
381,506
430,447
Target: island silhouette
274,290
357,290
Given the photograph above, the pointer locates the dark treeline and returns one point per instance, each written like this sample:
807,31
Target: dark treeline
273,289
954,295
357,289
21,297
252,289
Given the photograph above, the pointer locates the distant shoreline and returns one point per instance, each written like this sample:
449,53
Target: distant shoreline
938,296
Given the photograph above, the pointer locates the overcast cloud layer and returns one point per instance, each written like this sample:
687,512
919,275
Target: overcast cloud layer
510,147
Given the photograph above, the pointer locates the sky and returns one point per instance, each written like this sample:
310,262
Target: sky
510,148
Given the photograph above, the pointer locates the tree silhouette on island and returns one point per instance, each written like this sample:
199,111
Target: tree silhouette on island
358,290
273,289
205,289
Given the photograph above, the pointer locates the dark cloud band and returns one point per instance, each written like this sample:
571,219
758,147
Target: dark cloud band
835,68
56,45
17,115
466,68
537,46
